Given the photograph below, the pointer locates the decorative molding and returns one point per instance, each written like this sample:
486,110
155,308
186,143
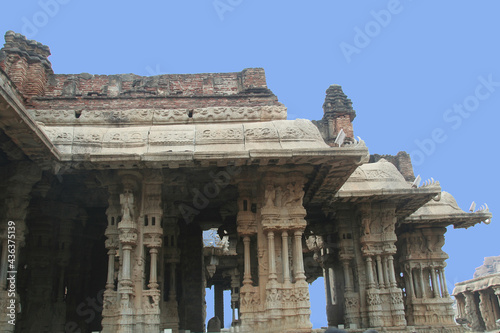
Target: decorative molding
81,116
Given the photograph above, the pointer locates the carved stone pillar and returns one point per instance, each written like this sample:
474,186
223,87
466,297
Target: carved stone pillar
282,210
128,239
416,282
246,225
486,309
112,234
410,287
152,234
272,256
169,315
369,272
374,307
285,259
347,275
497,292
373,300
128,232
110,285
423,281
247,275
381,272
153,244
460,306
435,286
172,293
219,303
299,259
387,272
411,292
391,272
329,276
420,252
235,295
471,311
442,276
351,299
172,306
110,302
279,302
126,278
153,275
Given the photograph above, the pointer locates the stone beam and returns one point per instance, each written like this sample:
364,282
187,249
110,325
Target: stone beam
21,127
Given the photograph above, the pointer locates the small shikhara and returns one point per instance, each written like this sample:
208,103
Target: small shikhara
111,181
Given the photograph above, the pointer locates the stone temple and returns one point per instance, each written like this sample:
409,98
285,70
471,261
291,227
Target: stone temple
478,299
111,180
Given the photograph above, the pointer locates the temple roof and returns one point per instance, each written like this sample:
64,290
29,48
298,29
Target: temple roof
480,283
74,122
443,210
382,181
276,139
371,178
83,121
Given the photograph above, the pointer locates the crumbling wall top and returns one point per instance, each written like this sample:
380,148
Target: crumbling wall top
491,265
26,63
250,81
17,43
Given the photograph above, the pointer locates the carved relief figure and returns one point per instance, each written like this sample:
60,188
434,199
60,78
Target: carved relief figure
314,242
263,261
388,223
439,243
279,196
270,196
127,202
416,244
295,195
366,222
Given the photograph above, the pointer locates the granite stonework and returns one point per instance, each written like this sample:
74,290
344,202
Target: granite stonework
478,299
112,180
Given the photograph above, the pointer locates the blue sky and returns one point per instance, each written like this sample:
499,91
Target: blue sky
424,76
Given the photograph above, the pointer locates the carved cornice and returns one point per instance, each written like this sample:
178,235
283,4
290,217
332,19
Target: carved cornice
124,118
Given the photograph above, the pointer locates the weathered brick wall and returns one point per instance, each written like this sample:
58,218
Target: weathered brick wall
344,122
27,65
402,161
222,84
16,68
36,80
171,91
338,115
253,78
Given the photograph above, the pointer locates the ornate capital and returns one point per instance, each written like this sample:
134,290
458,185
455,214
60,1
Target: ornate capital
112,243
246,222
153,240
128,236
